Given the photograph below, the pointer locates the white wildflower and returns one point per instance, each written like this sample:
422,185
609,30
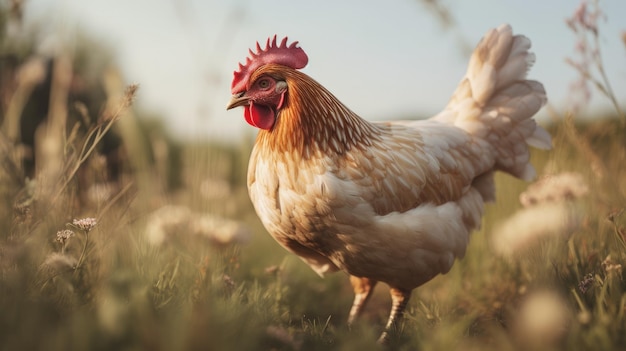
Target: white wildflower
555,188
173,220
543,317
164,221
221,231
528,225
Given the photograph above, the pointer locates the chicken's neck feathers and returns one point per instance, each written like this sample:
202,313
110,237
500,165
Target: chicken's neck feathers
313,122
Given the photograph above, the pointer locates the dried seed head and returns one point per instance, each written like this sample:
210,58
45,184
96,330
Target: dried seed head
113,112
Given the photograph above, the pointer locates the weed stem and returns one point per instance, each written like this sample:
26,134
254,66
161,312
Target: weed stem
82,254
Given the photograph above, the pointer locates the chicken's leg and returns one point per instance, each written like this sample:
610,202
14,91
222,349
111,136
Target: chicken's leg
399,300
363,288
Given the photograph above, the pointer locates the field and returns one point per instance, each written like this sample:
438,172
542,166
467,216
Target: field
192,268
163,251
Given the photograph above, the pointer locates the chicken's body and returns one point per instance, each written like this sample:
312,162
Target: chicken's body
397,208
395,201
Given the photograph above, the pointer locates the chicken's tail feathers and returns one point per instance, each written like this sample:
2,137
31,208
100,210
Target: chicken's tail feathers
496,102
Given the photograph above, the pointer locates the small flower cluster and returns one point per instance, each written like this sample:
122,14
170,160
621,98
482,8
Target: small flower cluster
549,210
85,224
584,18
584,24
586,283
61,259
64,235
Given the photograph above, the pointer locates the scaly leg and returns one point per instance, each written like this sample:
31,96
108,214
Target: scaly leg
399,300
363,288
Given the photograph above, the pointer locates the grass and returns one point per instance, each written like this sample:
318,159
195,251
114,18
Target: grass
115,287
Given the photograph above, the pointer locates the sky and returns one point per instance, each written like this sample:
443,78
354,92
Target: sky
383,59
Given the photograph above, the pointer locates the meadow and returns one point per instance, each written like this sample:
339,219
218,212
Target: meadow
166,253
193,269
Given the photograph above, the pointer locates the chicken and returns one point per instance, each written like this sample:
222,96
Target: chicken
390,202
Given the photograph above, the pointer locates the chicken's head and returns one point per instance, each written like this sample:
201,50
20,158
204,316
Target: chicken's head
262,95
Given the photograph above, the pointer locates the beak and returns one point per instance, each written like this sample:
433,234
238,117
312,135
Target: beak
238,100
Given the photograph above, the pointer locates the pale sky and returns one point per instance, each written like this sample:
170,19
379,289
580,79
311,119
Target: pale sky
383,59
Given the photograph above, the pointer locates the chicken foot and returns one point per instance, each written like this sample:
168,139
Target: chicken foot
399,300
363,288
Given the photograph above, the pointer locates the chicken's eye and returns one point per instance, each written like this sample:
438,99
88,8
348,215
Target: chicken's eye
264,83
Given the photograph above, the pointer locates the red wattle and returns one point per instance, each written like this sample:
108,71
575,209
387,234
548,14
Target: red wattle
259,116
246,115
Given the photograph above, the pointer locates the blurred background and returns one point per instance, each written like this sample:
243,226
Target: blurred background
125,222
409,54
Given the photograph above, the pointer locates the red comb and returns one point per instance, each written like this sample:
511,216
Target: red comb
283,54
